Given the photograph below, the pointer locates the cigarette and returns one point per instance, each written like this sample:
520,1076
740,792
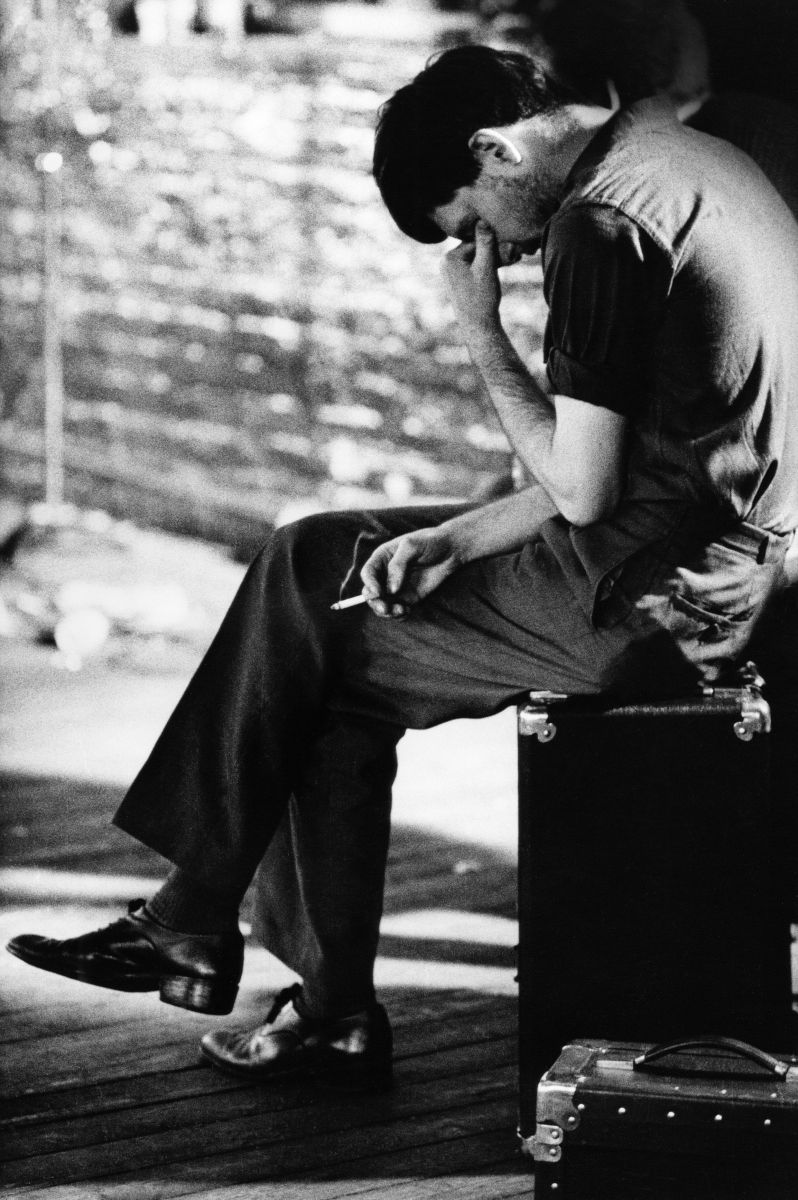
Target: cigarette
350,603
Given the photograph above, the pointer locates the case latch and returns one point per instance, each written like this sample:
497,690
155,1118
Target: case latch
754,715
546,1145
754,709
533,717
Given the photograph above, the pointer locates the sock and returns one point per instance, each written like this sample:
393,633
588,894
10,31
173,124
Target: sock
187,906
316,1009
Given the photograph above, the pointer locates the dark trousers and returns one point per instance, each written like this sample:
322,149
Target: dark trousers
294,703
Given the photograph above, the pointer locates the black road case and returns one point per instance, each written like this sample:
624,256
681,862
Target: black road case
708,1120
654,889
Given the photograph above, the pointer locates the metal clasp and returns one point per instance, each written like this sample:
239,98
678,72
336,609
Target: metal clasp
754,708
533,718
546,1145
754,715
536,724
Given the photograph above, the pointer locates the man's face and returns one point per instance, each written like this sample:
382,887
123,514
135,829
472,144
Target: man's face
516,208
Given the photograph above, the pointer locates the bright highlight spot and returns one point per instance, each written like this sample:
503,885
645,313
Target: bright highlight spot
49,163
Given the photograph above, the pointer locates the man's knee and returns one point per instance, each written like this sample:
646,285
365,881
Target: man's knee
310,546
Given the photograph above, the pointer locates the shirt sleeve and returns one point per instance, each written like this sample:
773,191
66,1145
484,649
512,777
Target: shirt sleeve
605,282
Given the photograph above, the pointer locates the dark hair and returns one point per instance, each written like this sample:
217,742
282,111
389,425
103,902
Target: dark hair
421,152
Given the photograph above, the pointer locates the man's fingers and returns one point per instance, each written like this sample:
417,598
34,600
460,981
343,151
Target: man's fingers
486,251
404,553
403,571
388,611
384,573
372,573
464,253
484,240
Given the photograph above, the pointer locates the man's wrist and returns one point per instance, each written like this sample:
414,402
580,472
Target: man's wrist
460,533
487,343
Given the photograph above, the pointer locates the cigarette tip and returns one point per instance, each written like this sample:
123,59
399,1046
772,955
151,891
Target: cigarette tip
350,603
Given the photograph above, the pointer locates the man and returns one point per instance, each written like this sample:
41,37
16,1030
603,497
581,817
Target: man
666,497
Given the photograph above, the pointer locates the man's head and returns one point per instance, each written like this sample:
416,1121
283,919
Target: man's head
451,127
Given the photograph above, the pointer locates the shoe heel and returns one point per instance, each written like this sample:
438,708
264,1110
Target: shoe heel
200,995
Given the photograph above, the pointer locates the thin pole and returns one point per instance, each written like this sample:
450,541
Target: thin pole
49,164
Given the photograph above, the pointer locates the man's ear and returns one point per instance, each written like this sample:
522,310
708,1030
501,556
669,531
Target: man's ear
494,149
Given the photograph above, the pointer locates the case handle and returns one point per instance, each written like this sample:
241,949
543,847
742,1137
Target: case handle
775,1066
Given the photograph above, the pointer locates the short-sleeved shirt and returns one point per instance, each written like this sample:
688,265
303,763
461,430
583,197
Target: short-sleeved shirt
671,275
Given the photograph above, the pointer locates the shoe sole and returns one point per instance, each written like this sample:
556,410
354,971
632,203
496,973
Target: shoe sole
216,998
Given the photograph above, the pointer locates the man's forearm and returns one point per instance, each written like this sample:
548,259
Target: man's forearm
525,411
572,449
497,528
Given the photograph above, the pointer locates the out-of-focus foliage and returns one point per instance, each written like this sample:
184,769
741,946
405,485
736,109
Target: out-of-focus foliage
54,73
245,333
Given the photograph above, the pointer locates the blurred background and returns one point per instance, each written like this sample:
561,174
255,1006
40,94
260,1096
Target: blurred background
209,322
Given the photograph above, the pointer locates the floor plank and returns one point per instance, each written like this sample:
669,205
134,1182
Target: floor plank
328,1134
192,1096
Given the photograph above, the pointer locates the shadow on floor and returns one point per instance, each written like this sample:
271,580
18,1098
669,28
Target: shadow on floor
58,842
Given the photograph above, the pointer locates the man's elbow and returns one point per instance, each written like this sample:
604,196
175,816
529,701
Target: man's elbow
586,507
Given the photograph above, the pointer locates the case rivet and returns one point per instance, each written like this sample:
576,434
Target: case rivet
572,1120
621,1111
718,1116
553,1152
774,1095
671,1115
581,1107
768,1121
724,1092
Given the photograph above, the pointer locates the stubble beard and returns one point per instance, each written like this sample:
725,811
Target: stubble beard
538,200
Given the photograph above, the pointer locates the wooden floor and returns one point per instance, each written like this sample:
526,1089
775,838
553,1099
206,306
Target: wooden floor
104,1096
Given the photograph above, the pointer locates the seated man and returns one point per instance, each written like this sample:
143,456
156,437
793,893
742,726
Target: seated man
666,461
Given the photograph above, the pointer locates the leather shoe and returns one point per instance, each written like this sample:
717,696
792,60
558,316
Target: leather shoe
138,954
348,1052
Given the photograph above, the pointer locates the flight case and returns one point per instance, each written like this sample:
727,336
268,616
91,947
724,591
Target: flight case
711,1119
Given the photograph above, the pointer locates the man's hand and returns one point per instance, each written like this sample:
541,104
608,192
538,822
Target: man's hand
407,568
471,271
